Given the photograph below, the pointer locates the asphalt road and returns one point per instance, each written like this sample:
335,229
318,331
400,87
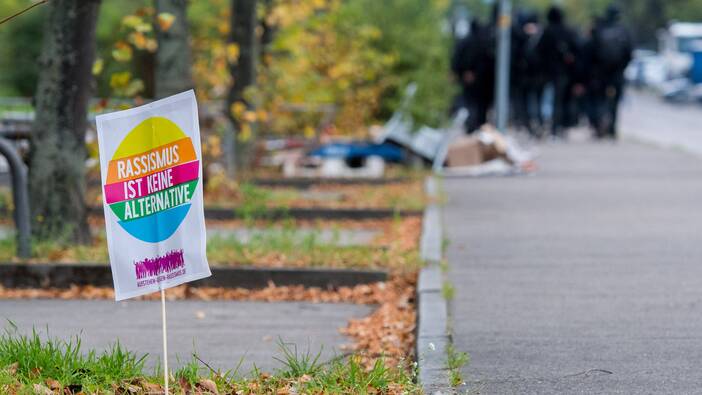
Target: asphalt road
221,333
583,278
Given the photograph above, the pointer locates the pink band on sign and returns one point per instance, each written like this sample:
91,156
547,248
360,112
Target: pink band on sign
139,187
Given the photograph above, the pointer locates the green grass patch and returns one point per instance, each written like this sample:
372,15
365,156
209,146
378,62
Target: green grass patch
448,290
455,361
287,248
279,246
254,202
29,364
28,360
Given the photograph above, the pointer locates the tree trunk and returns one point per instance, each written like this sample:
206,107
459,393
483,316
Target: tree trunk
57,151
243,72
173,54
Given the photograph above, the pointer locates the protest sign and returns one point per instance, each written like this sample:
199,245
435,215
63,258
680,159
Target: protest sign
151,166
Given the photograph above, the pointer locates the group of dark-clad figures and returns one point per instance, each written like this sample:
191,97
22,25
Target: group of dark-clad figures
557,76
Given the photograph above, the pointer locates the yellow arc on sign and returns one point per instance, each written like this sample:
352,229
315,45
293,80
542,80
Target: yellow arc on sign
150,133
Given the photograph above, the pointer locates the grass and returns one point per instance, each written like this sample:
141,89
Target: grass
45,251
445,243
28,360
444,266
255,201
285,246
30,364
250,200
448,290
455,361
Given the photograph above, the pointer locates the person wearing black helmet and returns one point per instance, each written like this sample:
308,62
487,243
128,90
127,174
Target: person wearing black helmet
612,51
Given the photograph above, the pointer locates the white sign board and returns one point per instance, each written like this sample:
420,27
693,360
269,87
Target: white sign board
151,168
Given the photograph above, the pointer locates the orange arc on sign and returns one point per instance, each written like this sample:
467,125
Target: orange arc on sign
186,153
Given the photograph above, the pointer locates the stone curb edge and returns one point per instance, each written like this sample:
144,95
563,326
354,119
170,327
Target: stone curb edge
432,310
42,275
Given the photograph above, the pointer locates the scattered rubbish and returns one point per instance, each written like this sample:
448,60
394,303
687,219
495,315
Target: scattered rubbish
358,151
333,167
484,153
448,150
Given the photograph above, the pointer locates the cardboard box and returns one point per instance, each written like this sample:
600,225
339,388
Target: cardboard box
465,151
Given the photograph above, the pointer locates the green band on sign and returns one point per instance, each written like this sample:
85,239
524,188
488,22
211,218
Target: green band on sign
154,203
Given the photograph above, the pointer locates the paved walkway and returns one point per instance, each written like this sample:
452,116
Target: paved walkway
646,117
221,333
583,278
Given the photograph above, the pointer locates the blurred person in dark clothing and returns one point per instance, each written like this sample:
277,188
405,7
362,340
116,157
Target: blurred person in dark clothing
463,63
558,50
612,49
527,76
473,64
586,75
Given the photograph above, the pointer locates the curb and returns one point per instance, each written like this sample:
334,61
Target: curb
44,275
301,213
432,309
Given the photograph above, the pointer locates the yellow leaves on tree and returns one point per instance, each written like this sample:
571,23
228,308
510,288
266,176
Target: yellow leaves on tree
136,34
165,21
321,59
123,84
98,66
211,53
122,52
232,53
320,68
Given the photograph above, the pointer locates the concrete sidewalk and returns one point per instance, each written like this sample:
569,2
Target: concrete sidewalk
648,118
583,278
220,332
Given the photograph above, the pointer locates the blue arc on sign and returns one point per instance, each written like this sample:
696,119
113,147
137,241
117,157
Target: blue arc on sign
156,227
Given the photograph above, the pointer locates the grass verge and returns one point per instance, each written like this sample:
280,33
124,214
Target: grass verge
31,365
282,246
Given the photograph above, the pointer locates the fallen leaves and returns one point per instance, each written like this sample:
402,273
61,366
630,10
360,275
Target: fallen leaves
40,389
389,331
360,294
208,386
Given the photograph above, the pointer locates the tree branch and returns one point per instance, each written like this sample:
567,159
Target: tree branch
40,2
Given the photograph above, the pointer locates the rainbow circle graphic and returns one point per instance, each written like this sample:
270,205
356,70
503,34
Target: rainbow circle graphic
151,179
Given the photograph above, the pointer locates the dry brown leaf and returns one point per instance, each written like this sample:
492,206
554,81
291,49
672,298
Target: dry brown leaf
185,385
151,388
53,384
208,385
12,369
40,389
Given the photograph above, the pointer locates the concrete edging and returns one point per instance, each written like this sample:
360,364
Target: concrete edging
42,275
432,310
